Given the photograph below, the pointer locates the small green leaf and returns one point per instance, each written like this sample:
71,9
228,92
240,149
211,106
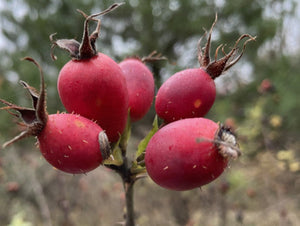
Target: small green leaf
143,144
137,169
116,158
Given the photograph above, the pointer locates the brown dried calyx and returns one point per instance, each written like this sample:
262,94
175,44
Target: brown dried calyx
153,56
33,118
86,49
218,66
226,142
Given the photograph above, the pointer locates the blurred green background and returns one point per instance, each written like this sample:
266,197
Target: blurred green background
259,98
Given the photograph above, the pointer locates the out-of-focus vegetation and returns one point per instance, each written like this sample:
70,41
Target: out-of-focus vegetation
258,97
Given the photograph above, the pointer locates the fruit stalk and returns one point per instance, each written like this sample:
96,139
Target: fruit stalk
128,180
128,183
129,204
128,188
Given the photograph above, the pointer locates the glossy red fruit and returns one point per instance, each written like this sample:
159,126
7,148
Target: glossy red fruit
92,84
70,143
140,85
187,94
96,88
191,92
189,153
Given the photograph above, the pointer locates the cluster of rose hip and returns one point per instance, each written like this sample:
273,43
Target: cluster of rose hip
187,151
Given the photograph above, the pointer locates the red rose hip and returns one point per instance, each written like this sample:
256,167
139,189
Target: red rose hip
96,88
187,94
189,153
140,85
92,84
191,93
69,142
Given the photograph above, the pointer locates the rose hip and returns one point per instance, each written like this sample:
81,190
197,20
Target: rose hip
140,85
92,84
189,153
191,93
69,142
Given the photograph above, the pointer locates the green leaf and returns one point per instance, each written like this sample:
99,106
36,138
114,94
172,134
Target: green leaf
116,158
143,144
137,169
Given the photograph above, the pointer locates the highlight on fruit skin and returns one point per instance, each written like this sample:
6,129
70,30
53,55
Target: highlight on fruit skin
191,92
68,142
189,153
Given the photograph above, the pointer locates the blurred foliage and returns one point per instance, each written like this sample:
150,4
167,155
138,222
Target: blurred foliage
18,220
258,98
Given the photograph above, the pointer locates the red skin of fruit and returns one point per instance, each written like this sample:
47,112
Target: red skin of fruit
178,158
187,94
140,85
69,142
96,88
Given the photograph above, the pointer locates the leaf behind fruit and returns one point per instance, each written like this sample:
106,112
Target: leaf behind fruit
143,144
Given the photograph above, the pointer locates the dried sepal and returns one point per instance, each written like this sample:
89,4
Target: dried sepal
40,108
26,114
226,142
22,135
71,45
234,61
216,67
33,118
204,53
153,56
86,49
105,147
33,93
